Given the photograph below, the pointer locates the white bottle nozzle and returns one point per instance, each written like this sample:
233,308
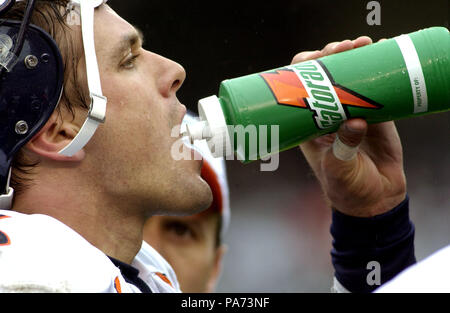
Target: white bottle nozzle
211,127
198,131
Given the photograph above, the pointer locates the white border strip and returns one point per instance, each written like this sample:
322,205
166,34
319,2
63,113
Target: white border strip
305,66
416,78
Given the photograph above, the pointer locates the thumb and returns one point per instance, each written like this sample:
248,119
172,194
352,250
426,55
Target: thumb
349,136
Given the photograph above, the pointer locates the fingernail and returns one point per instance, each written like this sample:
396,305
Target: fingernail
351,129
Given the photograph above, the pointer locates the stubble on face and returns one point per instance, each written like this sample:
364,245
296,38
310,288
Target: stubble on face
134,144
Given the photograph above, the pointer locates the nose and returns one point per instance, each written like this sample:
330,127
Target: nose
172,78
180,76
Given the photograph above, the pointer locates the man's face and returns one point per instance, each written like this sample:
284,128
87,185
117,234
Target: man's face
130,154
189,245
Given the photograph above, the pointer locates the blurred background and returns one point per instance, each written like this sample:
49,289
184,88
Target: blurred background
279,237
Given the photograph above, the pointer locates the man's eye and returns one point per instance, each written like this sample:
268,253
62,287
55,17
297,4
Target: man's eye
180,230
130,62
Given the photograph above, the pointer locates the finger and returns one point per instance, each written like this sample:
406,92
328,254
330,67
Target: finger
306,55
343,46
329,47
383,143
362,41
382,39
343,151
349,137
336,47
314,149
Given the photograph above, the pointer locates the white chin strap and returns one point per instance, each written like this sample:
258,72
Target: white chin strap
97,111
6,199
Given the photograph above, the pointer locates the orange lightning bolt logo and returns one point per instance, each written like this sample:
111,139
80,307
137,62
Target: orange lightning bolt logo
288,89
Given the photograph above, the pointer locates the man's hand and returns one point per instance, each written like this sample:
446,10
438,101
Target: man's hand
371,181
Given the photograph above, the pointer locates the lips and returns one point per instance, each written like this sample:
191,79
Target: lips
187,118
180,112
183,110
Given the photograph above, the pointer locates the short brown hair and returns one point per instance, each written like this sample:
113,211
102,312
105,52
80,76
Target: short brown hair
51,16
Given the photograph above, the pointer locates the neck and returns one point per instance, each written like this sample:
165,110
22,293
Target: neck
106,223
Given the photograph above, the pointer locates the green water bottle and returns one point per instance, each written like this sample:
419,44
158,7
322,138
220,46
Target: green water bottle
260,114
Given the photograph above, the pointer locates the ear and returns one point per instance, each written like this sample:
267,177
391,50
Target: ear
217,269
57,133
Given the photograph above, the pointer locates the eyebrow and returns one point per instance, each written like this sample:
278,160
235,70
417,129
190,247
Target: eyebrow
127,41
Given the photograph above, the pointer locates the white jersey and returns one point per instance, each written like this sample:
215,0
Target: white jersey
429,275
40,254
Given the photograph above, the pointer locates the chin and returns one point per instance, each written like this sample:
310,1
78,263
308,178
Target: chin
186,197
196,199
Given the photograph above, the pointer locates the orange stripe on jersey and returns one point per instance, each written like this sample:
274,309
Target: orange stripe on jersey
117,285
4,239
164,278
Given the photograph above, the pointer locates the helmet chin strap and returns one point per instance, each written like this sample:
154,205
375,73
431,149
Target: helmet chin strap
6,199
97,111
